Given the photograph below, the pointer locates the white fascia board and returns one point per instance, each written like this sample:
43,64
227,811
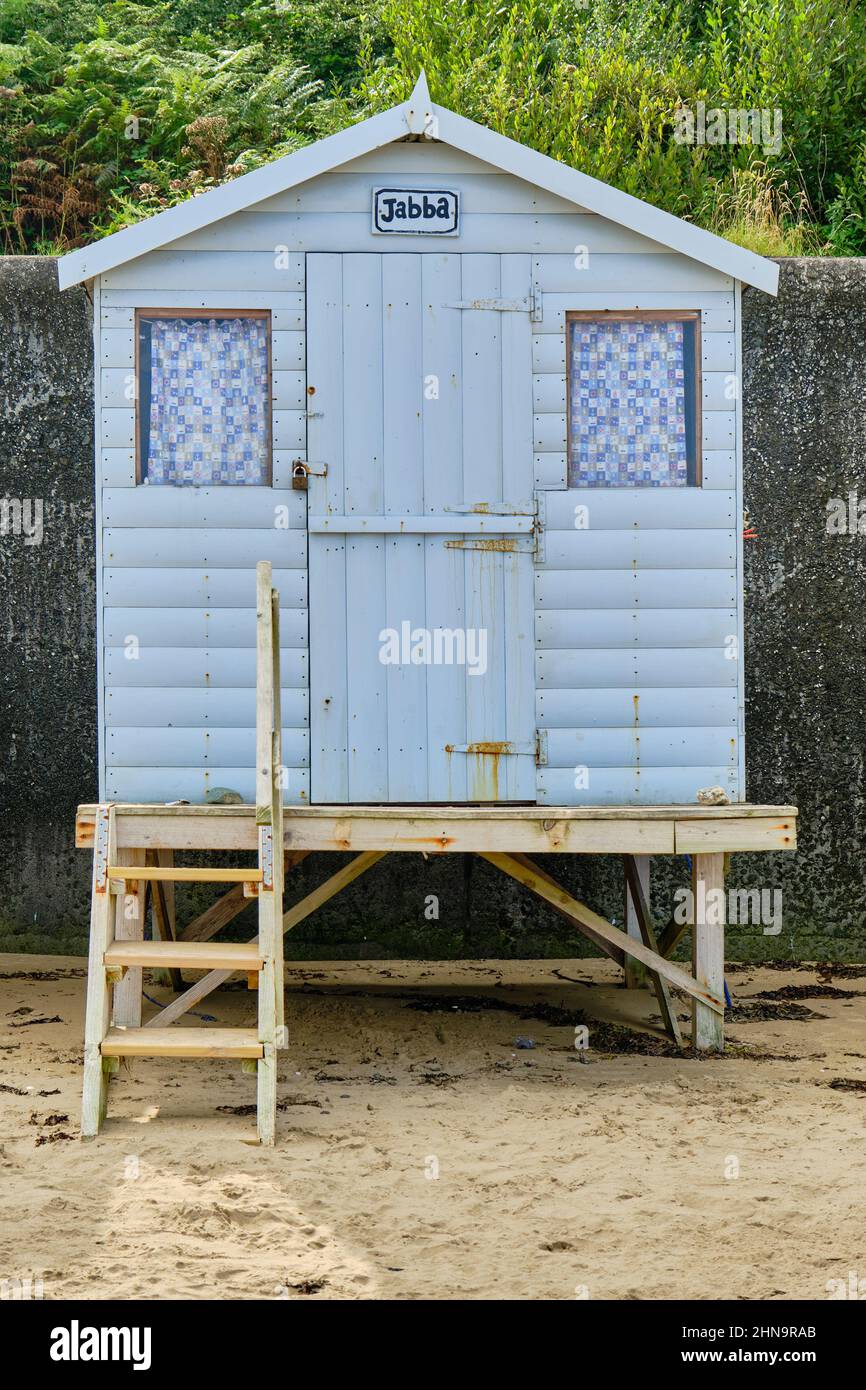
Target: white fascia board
606,201
418,115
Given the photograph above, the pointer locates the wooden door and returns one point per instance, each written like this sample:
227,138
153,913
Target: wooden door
421,528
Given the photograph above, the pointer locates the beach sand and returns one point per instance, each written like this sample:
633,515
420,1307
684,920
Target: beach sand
423,1154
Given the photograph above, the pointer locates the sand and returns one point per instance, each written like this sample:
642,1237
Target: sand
423,1155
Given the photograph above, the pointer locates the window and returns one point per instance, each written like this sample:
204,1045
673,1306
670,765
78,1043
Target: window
633,399
204,397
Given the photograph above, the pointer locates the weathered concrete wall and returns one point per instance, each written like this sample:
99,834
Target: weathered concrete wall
47,604
805,394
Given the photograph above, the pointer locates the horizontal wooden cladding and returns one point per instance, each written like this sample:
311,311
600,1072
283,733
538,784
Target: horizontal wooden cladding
641,747
197,627
718,354
630,628
117,307
186,667
644,707
416,156
716,307
604,589
481,232
718,431
255,271
202,707
117,354
604,667
667,271
619,509
550,470
630,786
657,549
491,192
191,784
196,508
117,428
117,468
167,587
197,747
154,546
748,833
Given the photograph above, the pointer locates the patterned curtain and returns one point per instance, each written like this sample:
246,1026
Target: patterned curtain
631,384
209,408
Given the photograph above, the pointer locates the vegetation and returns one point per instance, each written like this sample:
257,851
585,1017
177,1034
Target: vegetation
111,109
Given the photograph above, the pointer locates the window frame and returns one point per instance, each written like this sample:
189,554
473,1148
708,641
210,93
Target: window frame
147,314
632,315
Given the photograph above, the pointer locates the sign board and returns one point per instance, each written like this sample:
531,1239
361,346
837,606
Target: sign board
428,211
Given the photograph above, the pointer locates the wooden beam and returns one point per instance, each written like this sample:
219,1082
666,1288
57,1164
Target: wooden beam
269,825
670,937
335,884
128,926
217,916
196,955
163,921
182,1042
159,873
764,833
98,1002
634,972
593,925
600,941
642,911
229,906
708,949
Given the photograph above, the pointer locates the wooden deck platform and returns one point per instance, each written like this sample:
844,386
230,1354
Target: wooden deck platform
459,829
509,837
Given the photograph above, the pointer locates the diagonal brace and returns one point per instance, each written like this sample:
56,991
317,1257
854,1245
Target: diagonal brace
214,978
595,926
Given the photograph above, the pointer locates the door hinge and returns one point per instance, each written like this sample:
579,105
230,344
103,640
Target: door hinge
494,748
536,308
541,748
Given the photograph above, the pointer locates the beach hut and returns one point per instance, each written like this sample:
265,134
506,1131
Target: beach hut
482,415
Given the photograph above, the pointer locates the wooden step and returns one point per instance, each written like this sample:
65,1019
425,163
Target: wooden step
182,1042
195,955
164,874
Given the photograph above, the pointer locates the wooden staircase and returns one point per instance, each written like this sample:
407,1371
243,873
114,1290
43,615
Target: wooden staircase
113,1011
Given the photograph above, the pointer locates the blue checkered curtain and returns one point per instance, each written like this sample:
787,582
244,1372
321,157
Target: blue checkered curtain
630,402
209,406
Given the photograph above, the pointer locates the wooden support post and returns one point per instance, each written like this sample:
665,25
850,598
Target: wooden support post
270,854
635,975
162,902
98,1006
708,948
129,926
667,1007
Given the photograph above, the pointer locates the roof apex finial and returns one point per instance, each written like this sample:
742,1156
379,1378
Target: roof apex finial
420,98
